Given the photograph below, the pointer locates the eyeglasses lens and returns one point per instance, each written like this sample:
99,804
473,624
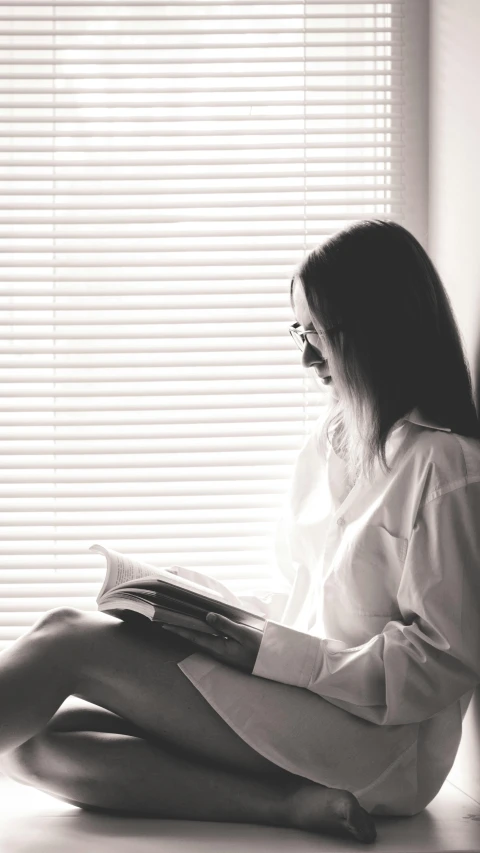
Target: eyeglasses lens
312,338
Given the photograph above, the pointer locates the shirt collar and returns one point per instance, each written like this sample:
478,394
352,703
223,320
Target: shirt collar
416,417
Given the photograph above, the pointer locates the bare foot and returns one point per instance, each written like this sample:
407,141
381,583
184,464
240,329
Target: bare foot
315,808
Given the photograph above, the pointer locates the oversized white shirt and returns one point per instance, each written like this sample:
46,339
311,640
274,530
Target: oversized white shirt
375,609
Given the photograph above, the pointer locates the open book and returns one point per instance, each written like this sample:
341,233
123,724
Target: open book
166,595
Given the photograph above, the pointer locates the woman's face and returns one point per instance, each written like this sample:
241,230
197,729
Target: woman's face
311,357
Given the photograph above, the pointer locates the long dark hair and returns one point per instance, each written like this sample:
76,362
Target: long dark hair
398,345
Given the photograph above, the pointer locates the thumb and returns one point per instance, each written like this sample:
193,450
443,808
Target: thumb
225,626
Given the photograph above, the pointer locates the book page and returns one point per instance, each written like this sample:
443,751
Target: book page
121,569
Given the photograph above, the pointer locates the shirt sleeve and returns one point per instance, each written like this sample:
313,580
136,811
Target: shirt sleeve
417,666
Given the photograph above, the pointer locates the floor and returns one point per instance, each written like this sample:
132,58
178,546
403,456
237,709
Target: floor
34,822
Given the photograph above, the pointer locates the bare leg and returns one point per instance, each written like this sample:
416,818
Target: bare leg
35,678
121,773
100,659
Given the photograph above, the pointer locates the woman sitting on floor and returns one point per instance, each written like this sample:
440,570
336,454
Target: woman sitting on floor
351,702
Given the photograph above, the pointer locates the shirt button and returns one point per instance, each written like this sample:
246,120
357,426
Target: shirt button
341,522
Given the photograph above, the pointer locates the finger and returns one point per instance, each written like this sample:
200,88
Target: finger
189,633
205,641
184,632
226,626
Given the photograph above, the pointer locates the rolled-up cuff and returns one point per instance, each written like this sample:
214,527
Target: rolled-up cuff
286,655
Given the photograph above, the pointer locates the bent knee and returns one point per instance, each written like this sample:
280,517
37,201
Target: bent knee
60,615
58,619
20,764
40,761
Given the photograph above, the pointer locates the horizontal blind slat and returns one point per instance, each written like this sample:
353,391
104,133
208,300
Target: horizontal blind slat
172,551
165,489
199,3
250,417
202,380
171,403
211,73
395,94
182,33
98,359
259,60
166,517
276,16
113,445
247,43
194,117
165,234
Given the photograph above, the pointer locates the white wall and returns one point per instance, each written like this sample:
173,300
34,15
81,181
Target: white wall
454,226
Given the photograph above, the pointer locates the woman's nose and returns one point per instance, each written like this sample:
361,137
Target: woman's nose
311,356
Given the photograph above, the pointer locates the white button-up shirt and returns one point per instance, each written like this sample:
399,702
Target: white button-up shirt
376,609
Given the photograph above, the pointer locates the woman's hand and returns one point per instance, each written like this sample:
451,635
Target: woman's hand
236,645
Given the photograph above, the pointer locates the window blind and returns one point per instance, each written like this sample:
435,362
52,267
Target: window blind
164,167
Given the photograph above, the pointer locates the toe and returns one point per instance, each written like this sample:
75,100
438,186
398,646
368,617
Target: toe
355,818
363,826
366,828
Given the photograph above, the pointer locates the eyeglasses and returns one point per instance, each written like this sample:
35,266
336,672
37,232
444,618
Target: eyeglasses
312,337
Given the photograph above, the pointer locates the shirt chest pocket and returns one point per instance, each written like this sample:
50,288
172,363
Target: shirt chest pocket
369,570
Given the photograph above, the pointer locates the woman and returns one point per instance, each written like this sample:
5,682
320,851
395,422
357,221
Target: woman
351,702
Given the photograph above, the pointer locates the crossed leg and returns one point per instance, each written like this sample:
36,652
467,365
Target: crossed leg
157,747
